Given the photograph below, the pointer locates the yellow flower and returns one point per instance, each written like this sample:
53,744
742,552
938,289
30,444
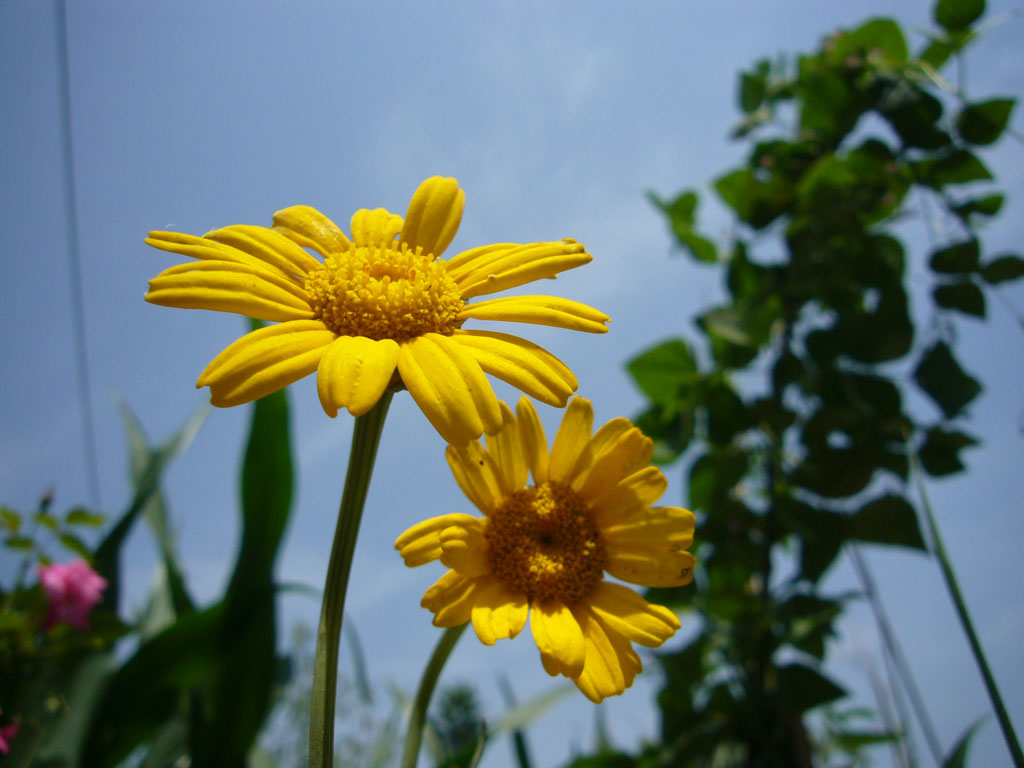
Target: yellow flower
379,310
543,550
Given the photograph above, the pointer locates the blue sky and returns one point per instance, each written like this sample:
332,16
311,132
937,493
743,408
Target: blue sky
556,118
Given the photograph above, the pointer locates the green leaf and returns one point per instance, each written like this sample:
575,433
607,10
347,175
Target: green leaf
19,542
10,519
965,297
1003,269
940,452
681,213
958,167
802,688
984,122
755,200
942,378
887,520
957,757
46,520
754,86
957,14
989,205
880,35
956,258
76,545
82,516
664,371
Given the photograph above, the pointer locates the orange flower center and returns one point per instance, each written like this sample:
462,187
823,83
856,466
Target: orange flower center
543,542
386,291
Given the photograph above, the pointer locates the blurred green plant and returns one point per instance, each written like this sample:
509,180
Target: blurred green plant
793,410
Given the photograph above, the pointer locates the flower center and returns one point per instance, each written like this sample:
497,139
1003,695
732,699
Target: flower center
543,542
384,292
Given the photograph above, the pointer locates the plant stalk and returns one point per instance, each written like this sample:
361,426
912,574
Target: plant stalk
365,439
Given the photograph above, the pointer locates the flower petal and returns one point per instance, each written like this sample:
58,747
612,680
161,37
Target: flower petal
201,248
540,310
633,494
375,227
500,612
611,662
650,566
477,475
227,286
422,543
354,372
452,597
535,443
669,527
629,453
624,611
267,245
309,228
559,638
514,265
569,454
521,363
507,451
434,215
265,361
449,388
464,549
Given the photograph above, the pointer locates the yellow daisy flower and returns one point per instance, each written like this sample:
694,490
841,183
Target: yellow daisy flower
543,550
379,310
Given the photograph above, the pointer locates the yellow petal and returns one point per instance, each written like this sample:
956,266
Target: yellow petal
422,543
201,248
633,494
507,450
521,363
624,611
535,443
668,527
611,663
559,639
569,452
499,612
376,227
309,228
630,453
265,361
227,286
449,387
434,215
515,265
464,549
268,246
650,566
354,372
477,475
451,599
540,310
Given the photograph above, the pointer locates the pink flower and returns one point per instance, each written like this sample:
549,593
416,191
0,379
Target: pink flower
8,732
72,590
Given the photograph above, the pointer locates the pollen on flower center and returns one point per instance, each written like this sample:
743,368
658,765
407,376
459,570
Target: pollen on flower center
543,542
384,292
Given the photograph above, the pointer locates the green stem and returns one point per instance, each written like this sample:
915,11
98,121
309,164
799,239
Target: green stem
418,717
965,621
365,439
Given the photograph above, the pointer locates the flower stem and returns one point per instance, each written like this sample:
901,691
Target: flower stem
365,439
418,717
965,621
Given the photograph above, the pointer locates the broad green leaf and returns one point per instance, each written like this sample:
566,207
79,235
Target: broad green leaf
46,520
940,452
10,519
942,378
958,167
753,86
957,757
664,371
887,520
957,14
956,258
19,542
984,122
803,688
75,544
829,107
756,201
1002,269
879,35
965,297
82,516
681,213
989,205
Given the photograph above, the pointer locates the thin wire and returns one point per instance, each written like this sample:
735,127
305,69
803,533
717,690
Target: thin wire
75,257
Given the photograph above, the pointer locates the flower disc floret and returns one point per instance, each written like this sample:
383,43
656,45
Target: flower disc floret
543,542
384,292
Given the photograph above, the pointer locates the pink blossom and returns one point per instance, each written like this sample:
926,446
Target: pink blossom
72,590
8,732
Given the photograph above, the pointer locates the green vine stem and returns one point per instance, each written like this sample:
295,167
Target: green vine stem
365,439
418,716
965,620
